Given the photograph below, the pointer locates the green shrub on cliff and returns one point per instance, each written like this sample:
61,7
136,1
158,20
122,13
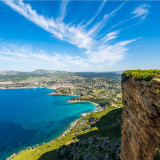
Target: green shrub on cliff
146,75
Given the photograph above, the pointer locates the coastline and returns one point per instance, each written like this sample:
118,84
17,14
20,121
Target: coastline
73,124
82,115
2,88
68,129
54,94
71,101
81,126
59,94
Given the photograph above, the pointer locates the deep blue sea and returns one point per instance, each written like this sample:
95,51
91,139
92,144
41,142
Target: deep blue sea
31,116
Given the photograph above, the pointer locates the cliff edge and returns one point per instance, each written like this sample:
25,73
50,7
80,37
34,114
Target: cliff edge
141,114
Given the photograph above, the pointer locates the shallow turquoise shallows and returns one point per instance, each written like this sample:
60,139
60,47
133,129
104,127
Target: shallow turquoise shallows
31,116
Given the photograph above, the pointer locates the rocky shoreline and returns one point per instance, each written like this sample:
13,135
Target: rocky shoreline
73,124
72,101
58,94
82,114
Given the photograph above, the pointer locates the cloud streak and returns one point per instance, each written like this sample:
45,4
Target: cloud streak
62,31
63,7
97,50
98,12
27,54
141,11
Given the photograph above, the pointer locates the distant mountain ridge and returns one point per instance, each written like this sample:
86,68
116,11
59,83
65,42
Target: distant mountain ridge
38,71
8,72
43,71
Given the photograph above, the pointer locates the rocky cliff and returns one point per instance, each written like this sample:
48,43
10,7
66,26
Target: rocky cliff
141,116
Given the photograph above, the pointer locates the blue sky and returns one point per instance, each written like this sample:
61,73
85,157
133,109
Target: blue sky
79,35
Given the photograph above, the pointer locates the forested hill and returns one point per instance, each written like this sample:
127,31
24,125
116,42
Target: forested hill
110,75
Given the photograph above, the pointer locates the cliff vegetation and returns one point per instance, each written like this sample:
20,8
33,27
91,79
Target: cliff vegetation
140,75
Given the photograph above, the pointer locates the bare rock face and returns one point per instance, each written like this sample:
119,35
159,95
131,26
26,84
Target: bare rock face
141,119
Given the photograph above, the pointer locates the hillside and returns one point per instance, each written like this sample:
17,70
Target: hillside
52,78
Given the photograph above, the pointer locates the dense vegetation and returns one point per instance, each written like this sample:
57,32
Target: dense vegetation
100,90
103,97
96,136
108,75
101,101
146,75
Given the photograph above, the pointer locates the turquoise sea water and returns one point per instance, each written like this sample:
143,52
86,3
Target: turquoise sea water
31,116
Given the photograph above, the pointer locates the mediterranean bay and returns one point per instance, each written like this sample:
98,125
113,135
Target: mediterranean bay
32,116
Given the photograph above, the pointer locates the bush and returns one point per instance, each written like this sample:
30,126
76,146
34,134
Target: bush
140,75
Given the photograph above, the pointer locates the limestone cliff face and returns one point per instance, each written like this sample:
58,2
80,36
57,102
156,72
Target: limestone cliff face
141,119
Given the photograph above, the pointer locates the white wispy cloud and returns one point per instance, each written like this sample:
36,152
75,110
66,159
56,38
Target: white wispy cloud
97,27
106,54
141,11
69,33
110,54
108,37
63,7
97,50
98,12
27,54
